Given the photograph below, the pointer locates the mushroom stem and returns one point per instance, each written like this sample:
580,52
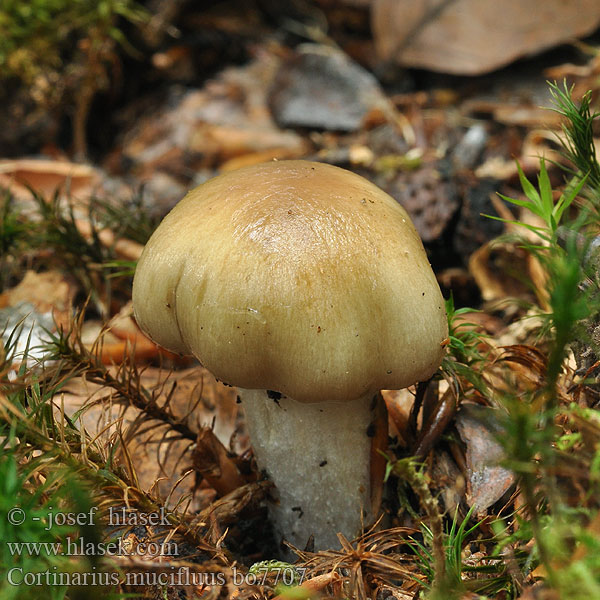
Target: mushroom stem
318,456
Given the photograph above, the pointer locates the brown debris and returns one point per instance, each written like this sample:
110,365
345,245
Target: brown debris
398,404
498,270
48,292
435,426
201,128
126,339
46,176
487,481
449,481
469,37
430,198
124,248
212,460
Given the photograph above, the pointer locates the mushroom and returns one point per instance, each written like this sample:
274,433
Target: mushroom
308,288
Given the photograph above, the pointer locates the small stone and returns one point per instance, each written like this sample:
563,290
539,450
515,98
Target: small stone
321,88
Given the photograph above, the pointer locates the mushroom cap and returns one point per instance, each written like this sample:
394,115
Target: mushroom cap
293,276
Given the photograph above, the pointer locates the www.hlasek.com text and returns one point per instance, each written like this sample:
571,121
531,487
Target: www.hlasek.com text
81,547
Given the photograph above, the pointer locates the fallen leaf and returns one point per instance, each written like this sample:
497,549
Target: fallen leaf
470,37
399,404
498,269
160,459
487,481
46,176
211,459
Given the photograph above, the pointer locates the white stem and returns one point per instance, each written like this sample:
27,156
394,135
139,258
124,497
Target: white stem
318,456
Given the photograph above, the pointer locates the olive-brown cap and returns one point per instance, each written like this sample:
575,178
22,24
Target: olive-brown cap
293,276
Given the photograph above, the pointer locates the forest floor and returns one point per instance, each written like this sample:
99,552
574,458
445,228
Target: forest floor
493,466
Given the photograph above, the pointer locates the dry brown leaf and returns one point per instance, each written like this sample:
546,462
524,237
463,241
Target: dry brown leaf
470,37
504,169
45,176
498,269
159,461
122,339
399,404
434,426
211,459
487,481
